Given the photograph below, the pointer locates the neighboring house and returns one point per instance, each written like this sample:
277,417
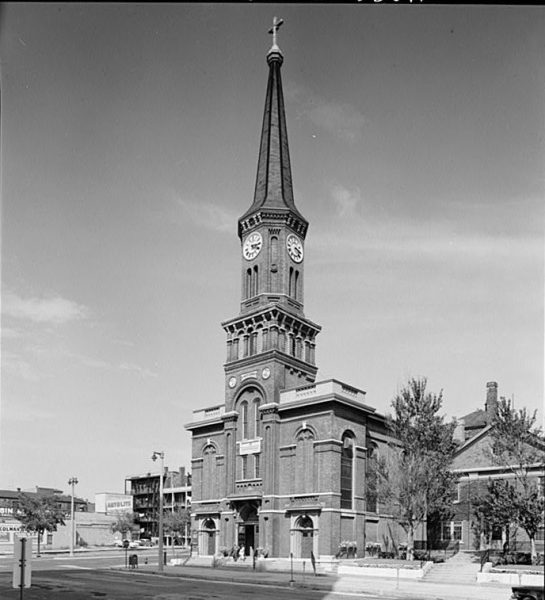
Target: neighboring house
473,464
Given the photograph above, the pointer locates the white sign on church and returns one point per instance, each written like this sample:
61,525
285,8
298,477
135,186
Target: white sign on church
250,446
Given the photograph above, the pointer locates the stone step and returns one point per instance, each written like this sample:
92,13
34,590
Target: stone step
458,570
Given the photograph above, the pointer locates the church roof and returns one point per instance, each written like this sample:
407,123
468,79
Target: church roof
274,188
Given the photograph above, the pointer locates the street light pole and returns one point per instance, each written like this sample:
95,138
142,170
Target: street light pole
154,457
72,481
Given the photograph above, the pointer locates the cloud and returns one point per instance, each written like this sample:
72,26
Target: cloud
15,365
143,372
350,234
340,119
98,363
9,333
207,215
53,310
346,201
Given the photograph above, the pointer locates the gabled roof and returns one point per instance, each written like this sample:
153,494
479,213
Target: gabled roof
475,419
474,439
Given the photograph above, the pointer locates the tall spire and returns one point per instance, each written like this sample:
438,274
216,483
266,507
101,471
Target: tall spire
274,188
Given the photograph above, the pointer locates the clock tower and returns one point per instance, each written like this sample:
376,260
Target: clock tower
271,340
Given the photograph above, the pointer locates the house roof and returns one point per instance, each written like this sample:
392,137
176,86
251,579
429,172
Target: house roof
475,419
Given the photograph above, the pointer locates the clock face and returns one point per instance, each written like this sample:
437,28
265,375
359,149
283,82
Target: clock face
295,248
252,245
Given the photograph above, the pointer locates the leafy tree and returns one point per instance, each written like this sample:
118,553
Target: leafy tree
518,446
414,477
176,522
124,524
39,514
496,509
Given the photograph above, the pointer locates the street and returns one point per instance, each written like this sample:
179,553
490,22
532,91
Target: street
83,583
102,575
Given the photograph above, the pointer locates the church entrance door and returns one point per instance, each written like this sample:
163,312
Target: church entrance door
304,528
307,543
209,538
248,529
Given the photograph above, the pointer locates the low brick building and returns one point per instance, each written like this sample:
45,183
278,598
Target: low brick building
473,464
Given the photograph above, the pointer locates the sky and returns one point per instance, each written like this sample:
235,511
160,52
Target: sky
130,137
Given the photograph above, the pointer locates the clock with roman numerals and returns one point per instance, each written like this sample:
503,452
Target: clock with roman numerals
295,248
252,245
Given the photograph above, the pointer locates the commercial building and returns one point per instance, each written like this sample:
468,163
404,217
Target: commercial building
10,526
144,491
109,503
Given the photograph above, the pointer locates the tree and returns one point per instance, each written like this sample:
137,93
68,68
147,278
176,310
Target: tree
518,446
414,477
39,514
496,509
177,521
124,523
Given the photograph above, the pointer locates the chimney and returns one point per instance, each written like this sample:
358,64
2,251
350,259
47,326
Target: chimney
491,405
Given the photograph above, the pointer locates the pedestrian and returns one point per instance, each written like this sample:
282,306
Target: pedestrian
241,553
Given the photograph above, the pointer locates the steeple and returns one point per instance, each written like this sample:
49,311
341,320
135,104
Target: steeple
271,343
274,188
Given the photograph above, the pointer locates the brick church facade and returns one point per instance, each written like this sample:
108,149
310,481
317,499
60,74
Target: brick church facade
285,463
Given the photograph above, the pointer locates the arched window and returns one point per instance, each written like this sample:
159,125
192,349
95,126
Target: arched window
292,345
371,478
248,286
296,286
304,462
244,466
257,470
290,283
208,480
256,282
347,460
257,417
244,420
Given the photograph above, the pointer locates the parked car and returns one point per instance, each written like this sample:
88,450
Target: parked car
527,592
135,544
145,542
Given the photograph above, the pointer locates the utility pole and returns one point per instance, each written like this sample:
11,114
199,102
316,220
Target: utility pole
154,457
72,481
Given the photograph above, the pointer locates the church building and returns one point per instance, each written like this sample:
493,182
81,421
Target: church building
284,463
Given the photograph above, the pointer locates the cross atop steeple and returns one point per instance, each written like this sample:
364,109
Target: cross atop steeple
274,30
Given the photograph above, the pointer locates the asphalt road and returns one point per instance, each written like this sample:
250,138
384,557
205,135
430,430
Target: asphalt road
91,576
91,584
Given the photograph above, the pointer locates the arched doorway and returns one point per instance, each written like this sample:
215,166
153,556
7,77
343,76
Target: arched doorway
304,536
208,537
248,528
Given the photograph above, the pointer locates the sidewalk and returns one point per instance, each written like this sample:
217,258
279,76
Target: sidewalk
334,583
